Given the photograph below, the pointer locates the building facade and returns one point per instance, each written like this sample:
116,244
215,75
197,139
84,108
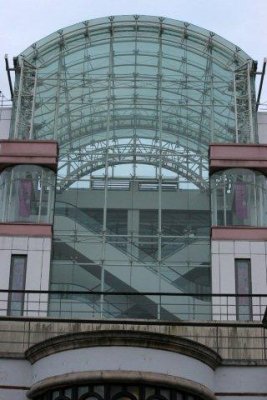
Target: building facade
133,217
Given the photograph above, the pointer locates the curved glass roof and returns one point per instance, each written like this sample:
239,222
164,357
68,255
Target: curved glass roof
99,26
136,86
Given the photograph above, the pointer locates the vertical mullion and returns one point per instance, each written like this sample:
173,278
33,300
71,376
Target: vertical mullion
252,134
236,110
6,189
159,100
135,98
33,103
260,202
57,94
107,392
224,201
74,393
104,233
142,393
19,100
41,197
51,197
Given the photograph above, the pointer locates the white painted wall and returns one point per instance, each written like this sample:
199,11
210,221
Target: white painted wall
262,127
125,359
13,394
5,117
14,373
225,379
37,275
241,379
223,255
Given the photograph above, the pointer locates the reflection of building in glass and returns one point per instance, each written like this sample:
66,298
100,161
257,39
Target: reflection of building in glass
133,189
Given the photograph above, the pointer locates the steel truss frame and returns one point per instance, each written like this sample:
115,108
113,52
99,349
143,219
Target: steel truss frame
134,89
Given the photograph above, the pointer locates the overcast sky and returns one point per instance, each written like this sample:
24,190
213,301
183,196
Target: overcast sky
23,22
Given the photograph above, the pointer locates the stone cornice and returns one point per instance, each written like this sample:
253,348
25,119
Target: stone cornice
124,338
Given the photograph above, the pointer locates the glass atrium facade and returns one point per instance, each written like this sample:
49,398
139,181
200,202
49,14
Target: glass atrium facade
134,102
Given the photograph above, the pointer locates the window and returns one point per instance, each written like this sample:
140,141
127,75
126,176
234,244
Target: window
27,194
17,282
243,287
238,197
117,391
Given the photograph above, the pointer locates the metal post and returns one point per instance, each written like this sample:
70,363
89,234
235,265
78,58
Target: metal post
57,94
10,196
51,198
212,123
33,105
110,78
41,197
252,133
135,99
256,209
4,199
159,100
224,202
236,117
260,205
214,204
18,108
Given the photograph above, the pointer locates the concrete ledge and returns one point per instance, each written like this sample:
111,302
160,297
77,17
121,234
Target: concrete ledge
17,334
81,378
238,233
37,152
124,338
20,229
235,155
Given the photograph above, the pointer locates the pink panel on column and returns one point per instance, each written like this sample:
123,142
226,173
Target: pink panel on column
25,197
240,200
15,229
238,233
14,152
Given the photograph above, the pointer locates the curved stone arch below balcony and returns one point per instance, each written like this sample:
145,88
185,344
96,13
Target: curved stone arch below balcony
181,385
115,355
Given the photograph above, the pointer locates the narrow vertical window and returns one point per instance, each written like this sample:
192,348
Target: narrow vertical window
243,287
17,282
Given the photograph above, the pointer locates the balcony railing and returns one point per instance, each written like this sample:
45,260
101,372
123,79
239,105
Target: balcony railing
97,305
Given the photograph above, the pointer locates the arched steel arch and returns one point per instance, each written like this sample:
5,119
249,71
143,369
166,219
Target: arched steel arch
172,160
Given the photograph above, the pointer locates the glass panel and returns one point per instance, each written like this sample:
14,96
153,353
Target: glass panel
55,394
79,276
27,193
165,393
149,391
239,198
68,393
115,389
99,389
82,390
